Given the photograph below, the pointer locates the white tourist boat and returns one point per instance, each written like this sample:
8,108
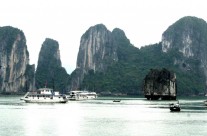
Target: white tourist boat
82,95
44,95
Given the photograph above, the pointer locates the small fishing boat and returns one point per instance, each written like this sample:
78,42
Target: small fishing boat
116,100
175,107
44,95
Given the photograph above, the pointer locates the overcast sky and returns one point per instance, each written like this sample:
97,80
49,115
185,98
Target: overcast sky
143,21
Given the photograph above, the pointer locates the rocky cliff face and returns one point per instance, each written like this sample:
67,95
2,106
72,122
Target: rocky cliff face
50,72
96,52
96,48
189,37
16,75
182,50
160,84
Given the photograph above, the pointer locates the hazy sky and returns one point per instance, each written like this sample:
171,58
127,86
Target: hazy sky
143,21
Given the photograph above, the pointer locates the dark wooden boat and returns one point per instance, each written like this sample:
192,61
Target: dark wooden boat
175,107
116,100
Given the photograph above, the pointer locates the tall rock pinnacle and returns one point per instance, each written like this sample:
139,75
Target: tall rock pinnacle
16,75
97,51
50,72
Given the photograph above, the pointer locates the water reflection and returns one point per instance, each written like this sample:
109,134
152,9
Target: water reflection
55,119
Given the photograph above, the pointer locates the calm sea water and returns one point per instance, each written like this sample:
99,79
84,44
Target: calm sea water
103,117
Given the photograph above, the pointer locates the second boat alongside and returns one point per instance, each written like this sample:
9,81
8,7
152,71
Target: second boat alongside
81,95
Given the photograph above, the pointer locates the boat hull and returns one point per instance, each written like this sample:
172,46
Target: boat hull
80,98
44,100
116,100
175,109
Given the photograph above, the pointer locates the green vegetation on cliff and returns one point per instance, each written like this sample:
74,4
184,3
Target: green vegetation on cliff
49,71
8,35
126,76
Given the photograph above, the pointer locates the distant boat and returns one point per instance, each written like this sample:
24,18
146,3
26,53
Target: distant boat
81,95
44,95
175,107
116,100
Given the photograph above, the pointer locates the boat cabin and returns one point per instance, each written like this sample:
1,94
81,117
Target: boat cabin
45,91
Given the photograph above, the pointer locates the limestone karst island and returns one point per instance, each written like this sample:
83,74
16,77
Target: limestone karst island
109,64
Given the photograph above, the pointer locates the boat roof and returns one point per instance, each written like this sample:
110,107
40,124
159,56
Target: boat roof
77,91
45,89
82,92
